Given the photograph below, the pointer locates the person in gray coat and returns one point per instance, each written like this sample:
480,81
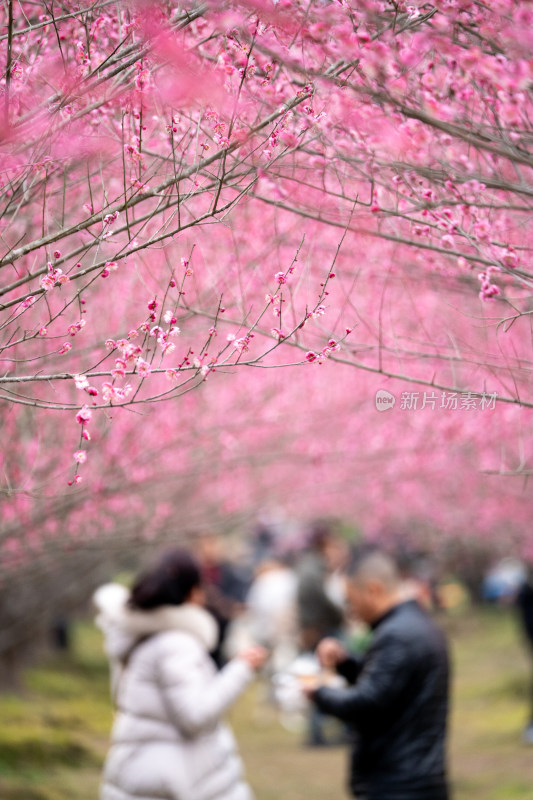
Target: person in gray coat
168,739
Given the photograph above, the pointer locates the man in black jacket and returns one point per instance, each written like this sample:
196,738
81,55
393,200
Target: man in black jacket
524,603
397,704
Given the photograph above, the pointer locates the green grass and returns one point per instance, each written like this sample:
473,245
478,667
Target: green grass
492,687
54,734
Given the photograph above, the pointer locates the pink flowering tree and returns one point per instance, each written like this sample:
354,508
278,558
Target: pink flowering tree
289,208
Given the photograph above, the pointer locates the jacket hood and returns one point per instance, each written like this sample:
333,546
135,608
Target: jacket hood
123,626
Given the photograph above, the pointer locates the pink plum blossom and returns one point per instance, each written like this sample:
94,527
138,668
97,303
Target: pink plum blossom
84,415
81,381
143,367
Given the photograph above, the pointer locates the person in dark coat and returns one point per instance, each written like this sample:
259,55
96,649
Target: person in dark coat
318,614
226,585
397,703
524,604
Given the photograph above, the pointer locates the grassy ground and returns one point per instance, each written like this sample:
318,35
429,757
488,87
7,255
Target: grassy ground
53,736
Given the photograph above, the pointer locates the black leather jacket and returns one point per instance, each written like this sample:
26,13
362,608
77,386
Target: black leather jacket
398,709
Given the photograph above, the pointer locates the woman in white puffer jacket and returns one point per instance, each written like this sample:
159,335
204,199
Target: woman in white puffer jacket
168,741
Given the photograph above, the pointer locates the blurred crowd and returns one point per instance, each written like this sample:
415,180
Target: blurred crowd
289,598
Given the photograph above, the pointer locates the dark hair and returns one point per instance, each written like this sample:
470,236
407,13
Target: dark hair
320,532
168,583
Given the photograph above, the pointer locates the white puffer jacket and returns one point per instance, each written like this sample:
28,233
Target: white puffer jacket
168,741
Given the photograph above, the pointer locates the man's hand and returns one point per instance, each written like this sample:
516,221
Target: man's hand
310,685
331,652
